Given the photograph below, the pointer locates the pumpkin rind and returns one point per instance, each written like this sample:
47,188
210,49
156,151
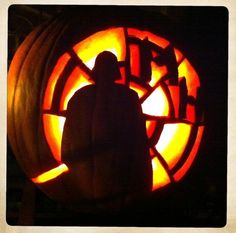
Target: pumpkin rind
25,78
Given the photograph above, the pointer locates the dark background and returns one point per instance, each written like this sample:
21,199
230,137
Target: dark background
199,199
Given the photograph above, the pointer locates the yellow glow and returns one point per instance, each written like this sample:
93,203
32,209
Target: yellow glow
156,104
181,172
51,174
61,63
157,73
151,37
77,80
173,141
160,176
192,80
112,40
53,129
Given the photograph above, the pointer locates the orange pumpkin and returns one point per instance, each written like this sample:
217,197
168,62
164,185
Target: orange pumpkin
45,73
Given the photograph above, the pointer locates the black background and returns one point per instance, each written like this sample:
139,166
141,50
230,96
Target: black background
199,199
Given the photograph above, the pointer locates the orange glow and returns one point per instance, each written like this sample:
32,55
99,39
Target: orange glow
151,37
178,55
150,126
59,67
182,171
157,73
173,141
111,40
192,80
53,129
159,175
140,90
190,113
51,174
156,104
76,80
135,60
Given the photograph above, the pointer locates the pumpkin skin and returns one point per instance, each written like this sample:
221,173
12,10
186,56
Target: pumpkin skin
27,78
25,84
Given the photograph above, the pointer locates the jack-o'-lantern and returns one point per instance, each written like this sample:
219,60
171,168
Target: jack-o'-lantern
42,79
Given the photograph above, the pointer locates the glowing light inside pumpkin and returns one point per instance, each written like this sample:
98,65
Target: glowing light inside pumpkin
112,40
134,60
59,67
173,138
151,37
150,126
157,73
186,70
76,80
51,174
181,172
179,56
137,88
53,128
156,104
172,142
190,113
174,92
160,176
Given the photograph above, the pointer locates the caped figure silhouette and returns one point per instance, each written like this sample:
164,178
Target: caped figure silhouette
104,138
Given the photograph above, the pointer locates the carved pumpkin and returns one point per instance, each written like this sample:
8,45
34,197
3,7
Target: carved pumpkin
48,68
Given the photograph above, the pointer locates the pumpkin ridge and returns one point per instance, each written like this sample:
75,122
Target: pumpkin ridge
47,49
26,70
57,31
26,47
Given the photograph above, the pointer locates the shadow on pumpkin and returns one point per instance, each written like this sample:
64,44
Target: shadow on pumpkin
104,142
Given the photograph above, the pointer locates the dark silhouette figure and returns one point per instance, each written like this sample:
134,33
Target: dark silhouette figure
104,139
